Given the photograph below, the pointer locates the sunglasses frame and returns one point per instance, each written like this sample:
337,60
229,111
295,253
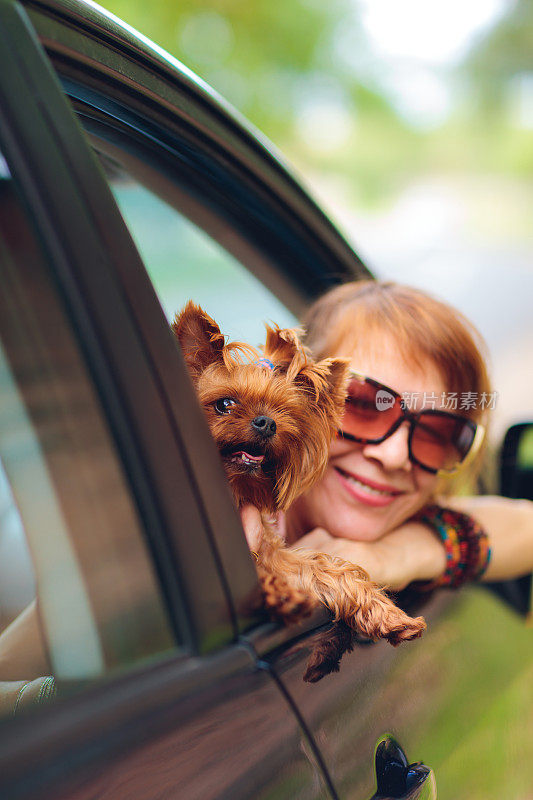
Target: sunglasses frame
412,418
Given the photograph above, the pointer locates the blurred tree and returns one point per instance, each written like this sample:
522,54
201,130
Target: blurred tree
503,54
499,71
280,62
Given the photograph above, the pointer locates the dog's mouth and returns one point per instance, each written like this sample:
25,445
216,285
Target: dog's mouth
248,455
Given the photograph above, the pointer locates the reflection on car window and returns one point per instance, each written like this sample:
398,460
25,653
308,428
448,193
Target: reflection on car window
184,263
17,579
79,596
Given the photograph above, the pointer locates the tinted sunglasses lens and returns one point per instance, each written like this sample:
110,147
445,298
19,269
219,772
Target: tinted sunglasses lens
441,441
369,414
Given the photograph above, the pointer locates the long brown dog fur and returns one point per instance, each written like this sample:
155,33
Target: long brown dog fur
305,399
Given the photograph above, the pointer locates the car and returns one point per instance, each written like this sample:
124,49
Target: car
126,187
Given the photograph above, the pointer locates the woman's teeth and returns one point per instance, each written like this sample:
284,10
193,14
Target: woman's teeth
366,487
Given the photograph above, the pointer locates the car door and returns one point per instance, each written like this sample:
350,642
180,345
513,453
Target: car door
121,671
176,160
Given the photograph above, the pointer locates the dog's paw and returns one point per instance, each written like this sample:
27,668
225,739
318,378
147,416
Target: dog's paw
377,617
405,628
391,623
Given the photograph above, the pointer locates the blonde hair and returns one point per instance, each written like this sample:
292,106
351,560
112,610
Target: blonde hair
424,328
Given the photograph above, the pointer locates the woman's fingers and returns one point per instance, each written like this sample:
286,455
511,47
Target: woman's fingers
253,525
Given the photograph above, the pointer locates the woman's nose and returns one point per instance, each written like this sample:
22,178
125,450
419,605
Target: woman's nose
393,453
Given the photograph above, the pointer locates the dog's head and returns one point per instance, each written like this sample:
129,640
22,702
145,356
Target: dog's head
272,416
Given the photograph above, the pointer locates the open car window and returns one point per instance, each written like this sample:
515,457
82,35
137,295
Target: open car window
185,261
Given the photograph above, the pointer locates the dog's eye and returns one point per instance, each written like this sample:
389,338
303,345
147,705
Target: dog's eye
223,405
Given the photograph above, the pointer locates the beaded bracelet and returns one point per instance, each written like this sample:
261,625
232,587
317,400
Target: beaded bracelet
466,544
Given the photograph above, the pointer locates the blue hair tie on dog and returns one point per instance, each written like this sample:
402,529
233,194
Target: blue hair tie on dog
264,362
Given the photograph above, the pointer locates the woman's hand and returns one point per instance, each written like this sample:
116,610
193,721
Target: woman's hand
412,552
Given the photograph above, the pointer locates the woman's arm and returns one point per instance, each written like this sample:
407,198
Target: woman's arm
410,553
23,653
413,552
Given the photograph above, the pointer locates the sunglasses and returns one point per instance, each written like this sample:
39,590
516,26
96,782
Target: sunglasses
439,442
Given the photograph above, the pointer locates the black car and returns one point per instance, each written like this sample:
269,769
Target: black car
126,187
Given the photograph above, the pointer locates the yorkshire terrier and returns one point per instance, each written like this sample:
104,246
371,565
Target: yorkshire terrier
273,418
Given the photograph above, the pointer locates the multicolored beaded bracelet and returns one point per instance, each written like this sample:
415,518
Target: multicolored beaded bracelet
466,544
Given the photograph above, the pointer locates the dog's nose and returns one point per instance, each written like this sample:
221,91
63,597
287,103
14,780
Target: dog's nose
265,426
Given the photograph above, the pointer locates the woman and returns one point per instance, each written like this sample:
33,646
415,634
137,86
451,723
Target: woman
413,352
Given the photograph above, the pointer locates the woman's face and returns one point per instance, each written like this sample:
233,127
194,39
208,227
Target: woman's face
345,502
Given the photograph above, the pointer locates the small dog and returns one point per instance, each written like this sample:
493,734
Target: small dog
273,418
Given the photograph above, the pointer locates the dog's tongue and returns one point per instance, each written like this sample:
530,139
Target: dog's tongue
241,455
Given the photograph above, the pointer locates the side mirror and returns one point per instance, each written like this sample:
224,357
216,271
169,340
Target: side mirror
516,480
516,462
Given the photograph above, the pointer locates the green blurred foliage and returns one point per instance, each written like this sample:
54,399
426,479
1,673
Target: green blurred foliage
505,52
484,751
266,58
258,55
272,59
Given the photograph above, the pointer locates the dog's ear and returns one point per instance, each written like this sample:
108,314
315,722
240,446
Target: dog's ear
200,339
337,375
284,348
327,381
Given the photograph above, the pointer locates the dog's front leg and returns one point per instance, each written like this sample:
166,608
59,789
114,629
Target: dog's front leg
282,595
357,605
350,595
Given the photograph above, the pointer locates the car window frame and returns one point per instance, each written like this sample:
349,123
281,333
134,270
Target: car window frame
99,273
68,485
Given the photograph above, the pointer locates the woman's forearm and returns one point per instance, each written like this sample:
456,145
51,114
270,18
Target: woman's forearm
414,552
410,553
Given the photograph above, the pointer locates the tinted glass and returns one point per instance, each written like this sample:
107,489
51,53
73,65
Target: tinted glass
87,601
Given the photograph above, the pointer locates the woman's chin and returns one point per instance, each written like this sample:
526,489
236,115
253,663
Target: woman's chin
359,528
362,522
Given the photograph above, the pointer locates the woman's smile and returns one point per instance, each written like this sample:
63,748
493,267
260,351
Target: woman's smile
366,491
